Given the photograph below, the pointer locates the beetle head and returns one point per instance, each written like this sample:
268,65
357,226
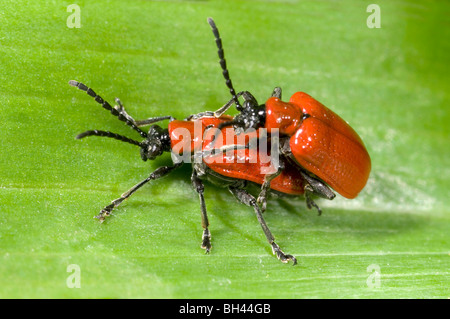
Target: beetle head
156,143
251,116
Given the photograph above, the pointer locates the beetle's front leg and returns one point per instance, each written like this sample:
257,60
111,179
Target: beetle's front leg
249,101
158,173
121,109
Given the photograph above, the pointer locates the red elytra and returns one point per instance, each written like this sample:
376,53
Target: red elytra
289,181
322,142
178,127
240,164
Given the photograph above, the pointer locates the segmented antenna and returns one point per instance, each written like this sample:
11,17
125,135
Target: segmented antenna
108,134
223,63
107,106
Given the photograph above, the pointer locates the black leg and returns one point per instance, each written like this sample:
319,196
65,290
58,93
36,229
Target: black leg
316,187
199,188
227,105
119,107
200,115
309,191
249,101
265,187
158,173
154,120
244,197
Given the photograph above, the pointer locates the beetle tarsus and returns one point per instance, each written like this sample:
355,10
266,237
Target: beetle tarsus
282,256
102,216
206,241
107,210
309,201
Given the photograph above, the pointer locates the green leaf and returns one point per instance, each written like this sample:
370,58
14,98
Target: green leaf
390,83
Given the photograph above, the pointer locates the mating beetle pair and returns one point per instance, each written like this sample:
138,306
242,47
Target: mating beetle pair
317,149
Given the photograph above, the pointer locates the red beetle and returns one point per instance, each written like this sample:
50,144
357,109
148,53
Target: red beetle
321,142
316,138
233,175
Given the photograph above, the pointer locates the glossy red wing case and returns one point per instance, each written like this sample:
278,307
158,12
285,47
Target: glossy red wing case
328,147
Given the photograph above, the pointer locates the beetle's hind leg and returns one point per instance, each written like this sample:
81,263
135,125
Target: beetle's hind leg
245,198
316,187
310,203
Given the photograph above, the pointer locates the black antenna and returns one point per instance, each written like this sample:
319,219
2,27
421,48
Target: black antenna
108,134
107,106
223,64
